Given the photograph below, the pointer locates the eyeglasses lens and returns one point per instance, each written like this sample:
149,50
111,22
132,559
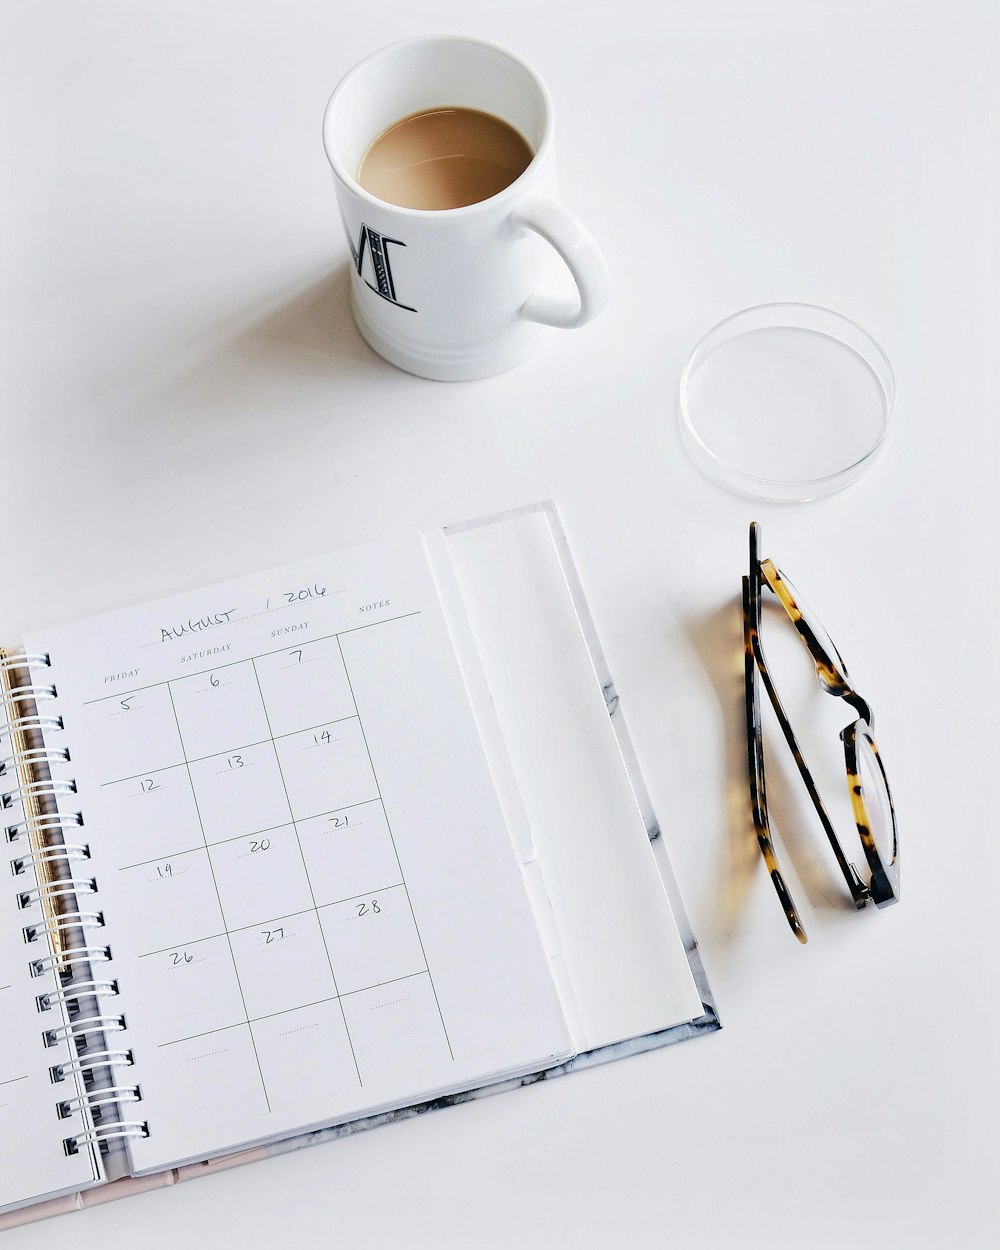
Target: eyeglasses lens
876,798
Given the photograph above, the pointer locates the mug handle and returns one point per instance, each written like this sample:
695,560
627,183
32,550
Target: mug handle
584,259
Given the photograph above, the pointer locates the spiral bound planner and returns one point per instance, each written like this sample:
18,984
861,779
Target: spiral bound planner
317,849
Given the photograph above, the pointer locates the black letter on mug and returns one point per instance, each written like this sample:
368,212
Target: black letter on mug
377,245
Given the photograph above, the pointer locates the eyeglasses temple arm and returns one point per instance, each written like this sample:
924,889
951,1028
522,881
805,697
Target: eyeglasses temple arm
858,889
758,794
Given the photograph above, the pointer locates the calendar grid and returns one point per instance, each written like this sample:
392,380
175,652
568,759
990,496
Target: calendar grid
218,668
288,915
287,1011
395,852
305,866
239,837
243,746
215,884
281,772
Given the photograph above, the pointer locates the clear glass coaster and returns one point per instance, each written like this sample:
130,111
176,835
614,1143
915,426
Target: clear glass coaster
786,402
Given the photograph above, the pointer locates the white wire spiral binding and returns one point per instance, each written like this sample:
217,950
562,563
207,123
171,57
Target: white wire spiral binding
78,955
66,887
42,824
90,1063
25,724
77,1029
104,1133
37,790
33,756
78,990
80,993
62,922
113,1094
31,659
30,694
51,855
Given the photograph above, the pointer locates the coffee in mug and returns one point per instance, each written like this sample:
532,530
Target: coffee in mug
444,158
463,288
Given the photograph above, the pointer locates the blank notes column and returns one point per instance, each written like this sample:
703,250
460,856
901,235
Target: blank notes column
387,987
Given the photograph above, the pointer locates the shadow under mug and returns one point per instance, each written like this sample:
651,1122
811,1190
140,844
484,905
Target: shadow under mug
459,293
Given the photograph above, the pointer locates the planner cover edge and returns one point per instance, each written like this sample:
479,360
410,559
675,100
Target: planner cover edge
622,736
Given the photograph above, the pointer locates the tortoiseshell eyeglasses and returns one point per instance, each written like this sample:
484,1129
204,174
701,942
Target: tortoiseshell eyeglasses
870,797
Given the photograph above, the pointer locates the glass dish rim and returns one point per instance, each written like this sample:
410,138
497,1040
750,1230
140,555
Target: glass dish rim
765,487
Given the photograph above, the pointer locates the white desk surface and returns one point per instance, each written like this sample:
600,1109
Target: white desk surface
184,397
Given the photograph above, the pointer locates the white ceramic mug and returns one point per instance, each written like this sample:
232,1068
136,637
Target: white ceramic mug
457,293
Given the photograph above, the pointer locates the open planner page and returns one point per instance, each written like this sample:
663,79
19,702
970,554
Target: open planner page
311,896
34,1162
